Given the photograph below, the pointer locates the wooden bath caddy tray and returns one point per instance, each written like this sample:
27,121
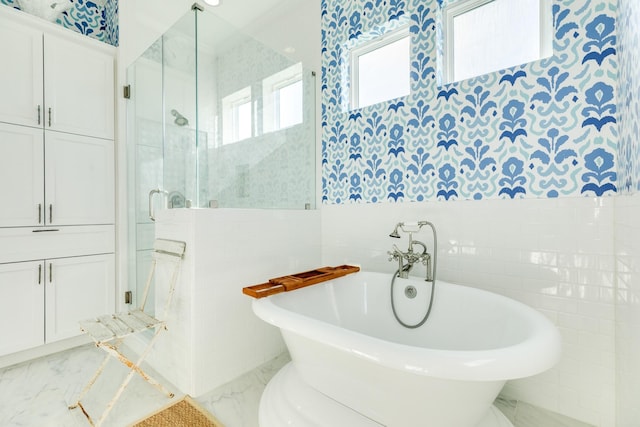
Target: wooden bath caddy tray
298,280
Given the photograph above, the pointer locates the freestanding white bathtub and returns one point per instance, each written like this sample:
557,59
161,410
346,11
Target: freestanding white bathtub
345,343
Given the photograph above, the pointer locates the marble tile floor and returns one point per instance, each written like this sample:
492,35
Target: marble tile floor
38,392
522,414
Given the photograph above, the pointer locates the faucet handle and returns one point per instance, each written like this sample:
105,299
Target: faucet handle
396,254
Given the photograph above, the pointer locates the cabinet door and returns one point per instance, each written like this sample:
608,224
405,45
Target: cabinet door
20,74
76,289
22,176
79,174
21,306
79,88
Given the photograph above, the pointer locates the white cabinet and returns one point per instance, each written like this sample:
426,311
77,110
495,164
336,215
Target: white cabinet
55,82
56,125
32,243
78,88
72,184
22,172
21,84
42,301
21,306
79,180
76,289
57,181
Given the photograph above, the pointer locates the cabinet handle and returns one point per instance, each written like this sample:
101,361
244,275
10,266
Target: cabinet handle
39,213
49,116
50,213
50,272
39,114
39,274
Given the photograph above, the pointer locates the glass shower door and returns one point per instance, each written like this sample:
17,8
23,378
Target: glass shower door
161,141
145,159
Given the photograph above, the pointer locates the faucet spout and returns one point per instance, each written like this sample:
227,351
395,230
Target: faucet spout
406,269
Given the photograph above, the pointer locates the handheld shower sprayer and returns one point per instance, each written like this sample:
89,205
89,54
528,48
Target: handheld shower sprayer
395,233
407,259
407,227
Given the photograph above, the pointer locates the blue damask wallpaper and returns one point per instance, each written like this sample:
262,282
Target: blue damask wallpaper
87,17
544,129
629,96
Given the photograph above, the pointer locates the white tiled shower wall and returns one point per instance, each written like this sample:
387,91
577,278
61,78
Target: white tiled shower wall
556,255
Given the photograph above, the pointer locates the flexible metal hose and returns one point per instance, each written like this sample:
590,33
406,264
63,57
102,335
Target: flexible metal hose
433,285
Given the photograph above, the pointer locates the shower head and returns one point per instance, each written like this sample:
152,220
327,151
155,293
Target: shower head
180,119
408,227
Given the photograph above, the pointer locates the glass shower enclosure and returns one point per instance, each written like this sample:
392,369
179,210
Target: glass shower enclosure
216,119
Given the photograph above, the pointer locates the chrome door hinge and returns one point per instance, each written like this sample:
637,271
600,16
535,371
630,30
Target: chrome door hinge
128,297
126,92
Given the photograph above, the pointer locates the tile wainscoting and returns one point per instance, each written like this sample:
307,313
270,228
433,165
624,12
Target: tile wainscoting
627,310
556,255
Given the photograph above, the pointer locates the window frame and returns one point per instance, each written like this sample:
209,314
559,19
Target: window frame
230,118
271,87
278,101
367,47
460,7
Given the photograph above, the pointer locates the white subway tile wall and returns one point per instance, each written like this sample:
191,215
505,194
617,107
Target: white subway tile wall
627,214
628,310
556,255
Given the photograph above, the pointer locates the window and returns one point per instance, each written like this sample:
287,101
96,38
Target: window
380,69
288,101
237,116
282,99
482,36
